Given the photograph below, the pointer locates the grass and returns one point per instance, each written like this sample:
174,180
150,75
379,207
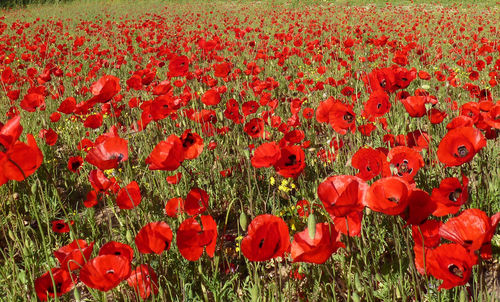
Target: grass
377,266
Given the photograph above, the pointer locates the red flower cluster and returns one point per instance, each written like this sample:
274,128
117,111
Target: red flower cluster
18,160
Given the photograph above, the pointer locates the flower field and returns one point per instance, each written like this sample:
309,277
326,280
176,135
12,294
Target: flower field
249,151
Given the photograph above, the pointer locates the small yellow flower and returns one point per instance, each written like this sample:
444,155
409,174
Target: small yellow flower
272,181
109,172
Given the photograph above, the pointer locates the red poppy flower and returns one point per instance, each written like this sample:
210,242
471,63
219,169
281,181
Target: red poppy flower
370,162
233,112
174,179
249,107
377,105
105,272
349,225
10,133
61,226
20,160
303,208
91,199
55,117
196,201
64,282
318,249
144,281
380,79
99,182
191,239
472,110
323,110
74,255
420,207
291,162
406,161
424,75
174,206
267,238
492,117
366,129
415,105
154,237
129,197
451,263
135,82
178,66
266,155
117,249
450,196
33,101
427,234
460,145
167,155
389,195
67,106
211,97
294,136
75,163
254,128
222,70
192,144
108,153
85,145
342,194
436,116
418,140
472,229
342,118
460,121
93,121
403,76
163,106
105,88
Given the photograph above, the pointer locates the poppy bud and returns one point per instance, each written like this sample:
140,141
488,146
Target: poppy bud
311,225
243,221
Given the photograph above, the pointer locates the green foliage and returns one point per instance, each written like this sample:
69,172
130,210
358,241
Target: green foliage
377,266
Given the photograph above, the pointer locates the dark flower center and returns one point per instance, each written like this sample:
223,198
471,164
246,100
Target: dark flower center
58,287
75,165
383,83
348,117
188,141
379,105
3,148
117,253
59,225
403,168
261,243
110,271
455,270
462,152
455,195
118,157
393,199
292,160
